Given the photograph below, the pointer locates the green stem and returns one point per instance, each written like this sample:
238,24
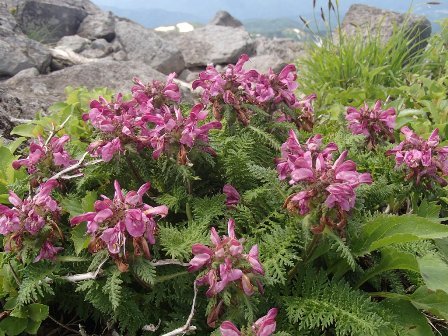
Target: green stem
306,255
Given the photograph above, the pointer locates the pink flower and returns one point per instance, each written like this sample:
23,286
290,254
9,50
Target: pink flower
264,326
28,218
48,252
157,92
424,159
375,124
123,217
227,328
51,154
225,262
232,196
323,181
170,126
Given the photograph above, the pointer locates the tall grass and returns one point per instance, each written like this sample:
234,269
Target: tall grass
360,67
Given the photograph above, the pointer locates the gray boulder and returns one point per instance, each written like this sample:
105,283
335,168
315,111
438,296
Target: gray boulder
287,50
7,20
223,18
45,90
17,52
98,26
48,22
262,63
144,45
369,21
73,42
98,49
214,44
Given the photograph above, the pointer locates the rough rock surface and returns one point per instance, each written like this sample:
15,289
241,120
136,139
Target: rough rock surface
49,21
146,46
45,90
17,52
214,44
98,26
286,49
98,49
262,63
73,42
368,20
223,18
7,20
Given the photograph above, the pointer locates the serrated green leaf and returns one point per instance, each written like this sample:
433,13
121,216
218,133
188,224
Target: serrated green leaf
72,205
434,272
383,231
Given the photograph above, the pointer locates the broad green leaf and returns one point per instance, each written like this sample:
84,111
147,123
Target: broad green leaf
430,210
4,199
79,237
442,245
6,169
385,230
13,145
72,205
33,327
434,271
434,302
28,130
408,317
20,312
88,201
13,326
407,116
391,259
38,312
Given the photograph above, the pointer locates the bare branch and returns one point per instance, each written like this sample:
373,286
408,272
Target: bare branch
54,130
169,262
185,328
85,276
152,327
77,165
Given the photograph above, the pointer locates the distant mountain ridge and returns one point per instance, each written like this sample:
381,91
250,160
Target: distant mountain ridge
156,13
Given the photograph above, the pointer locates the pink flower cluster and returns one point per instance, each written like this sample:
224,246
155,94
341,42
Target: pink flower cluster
264,326
226,263
123,217
27,219
151,119
232,196
325,181
424,159
51,154
374,123
173,129
236,86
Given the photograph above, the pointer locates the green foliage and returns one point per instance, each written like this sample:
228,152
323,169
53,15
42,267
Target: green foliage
319,304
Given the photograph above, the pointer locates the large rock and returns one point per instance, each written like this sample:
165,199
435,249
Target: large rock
17,52
287,50
98,26
49,21
369,21
73,42
223,18
7,20
214,44
146,46
45,90
263,63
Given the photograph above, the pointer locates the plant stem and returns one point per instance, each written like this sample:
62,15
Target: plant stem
306,255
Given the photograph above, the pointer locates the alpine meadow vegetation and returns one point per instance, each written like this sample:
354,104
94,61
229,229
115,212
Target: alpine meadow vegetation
275,205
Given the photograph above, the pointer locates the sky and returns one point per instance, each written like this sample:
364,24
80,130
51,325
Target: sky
202,11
